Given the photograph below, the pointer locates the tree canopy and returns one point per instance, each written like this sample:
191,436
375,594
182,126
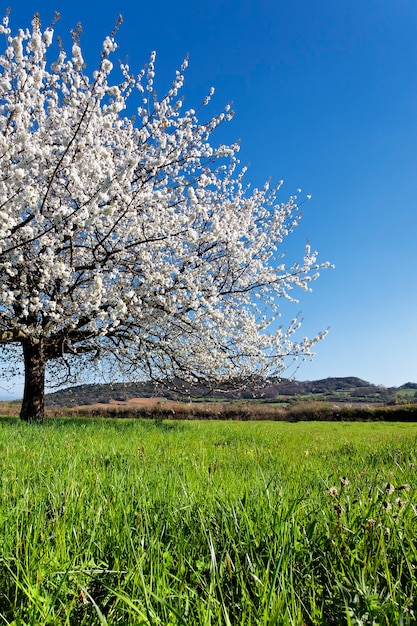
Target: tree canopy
132,240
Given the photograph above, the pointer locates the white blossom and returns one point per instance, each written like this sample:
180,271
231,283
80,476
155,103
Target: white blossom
139,241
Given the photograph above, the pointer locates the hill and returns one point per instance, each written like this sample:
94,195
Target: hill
347,389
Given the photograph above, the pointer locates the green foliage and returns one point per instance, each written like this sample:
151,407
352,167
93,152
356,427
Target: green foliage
307,410
154,522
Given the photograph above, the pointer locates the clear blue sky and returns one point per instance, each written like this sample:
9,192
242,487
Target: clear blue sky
325,95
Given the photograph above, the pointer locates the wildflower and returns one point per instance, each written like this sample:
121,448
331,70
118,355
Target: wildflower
386,505
344,482
83,597
400,503
389,488
333,491
405,487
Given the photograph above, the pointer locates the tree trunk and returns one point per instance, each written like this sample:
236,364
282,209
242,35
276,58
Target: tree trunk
33,405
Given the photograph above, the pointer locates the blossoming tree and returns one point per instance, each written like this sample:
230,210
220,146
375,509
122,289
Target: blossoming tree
131,239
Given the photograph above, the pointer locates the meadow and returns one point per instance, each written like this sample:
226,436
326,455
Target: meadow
110,521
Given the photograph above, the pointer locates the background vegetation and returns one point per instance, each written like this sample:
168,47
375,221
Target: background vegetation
341,390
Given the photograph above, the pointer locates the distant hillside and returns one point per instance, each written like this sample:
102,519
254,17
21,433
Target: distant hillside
409,386
96,393
347,389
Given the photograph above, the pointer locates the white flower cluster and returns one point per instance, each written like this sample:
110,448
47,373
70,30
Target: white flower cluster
136,240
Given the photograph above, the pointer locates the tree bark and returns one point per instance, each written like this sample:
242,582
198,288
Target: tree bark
33,405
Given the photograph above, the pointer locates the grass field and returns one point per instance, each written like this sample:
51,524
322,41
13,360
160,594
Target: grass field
207,523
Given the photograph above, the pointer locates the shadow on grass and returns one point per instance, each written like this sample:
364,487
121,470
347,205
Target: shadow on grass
94,423
9,420
118,424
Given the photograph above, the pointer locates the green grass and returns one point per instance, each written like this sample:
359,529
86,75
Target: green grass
406,393
207,523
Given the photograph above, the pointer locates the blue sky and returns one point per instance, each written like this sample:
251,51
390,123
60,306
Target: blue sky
325,95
